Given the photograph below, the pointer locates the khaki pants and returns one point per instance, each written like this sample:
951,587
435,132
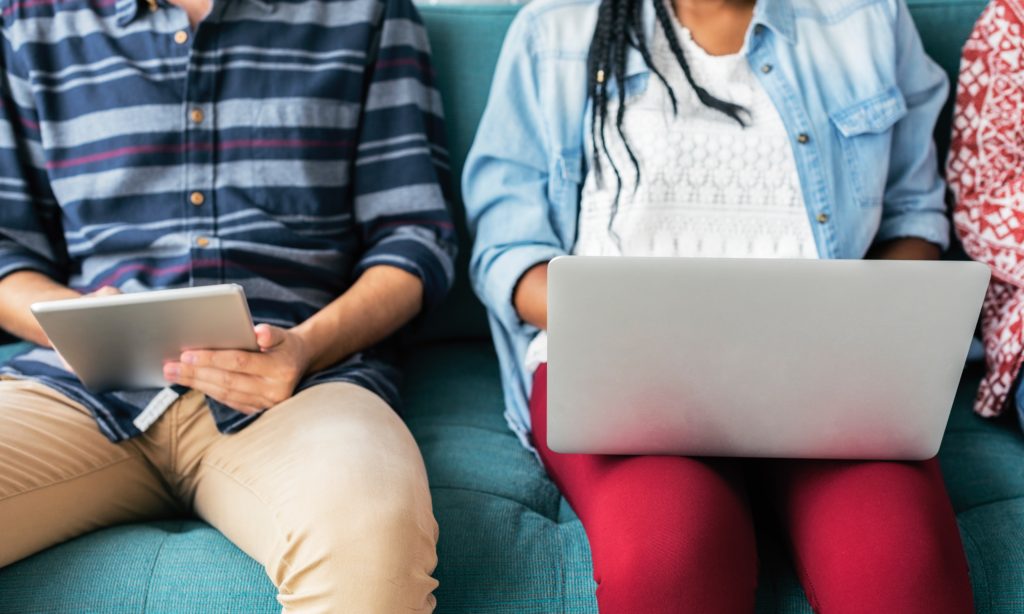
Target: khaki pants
327,491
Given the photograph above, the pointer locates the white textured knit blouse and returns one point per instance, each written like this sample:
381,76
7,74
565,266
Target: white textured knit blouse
708,187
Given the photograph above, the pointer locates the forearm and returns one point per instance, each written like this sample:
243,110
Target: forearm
531,296
17,293
382,300
905,249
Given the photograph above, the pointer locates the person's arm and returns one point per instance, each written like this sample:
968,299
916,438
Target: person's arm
906,249
985,173
17,292
530,296
30,241
381,301
914,204
506,189
399,187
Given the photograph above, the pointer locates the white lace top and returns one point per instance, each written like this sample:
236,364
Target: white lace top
708,187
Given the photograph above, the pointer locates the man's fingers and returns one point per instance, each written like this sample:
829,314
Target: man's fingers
268,336
238,361
105,291
222,378
231,389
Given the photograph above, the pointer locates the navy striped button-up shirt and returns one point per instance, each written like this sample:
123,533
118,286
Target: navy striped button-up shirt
284,145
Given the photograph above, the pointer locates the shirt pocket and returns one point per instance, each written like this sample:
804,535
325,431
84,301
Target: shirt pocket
865,131
301,161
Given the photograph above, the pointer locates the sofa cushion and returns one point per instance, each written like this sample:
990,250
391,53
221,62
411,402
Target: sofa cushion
7,351
157,567
981,459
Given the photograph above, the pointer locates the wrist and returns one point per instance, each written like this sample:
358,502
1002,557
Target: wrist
314,345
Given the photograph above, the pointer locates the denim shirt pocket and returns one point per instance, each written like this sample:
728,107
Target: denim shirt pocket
865,135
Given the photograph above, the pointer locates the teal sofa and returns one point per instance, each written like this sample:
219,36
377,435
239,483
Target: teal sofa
509,542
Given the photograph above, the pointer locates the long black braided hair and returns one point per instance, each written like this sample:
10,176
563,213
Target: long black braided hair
619,28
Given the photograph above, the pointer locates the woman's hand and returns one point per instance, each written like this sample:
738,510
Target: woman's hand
530,296
909,248
248,382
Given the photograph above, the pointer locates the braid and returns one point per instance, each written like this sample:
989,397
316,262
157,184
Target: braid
730,109
620,38
597,78
639,42
620,44
620,27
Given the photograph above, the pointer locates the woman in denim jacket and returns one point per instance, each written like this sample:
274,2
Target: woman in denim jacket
781,128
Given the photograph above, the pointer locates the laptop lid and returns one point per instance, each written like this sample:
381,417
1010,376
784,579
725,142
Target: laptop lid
847,359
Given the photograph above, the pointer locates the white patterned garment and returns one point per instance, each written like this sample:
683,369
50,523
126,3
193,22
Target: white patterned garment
708,187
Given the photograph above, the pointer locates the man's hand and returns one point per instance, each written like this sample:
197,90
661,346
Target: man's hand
249,382
382,300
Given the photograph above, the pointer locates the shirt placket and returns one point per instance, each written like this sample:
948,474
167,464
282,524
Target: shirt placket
197,115
805,148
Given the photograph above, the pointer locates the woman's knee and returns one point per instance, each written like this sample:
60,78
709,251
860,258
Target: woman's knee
704,573
694,553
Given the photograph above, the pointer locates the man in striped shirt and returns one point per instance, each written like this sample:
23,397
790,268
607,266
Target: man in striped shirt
294,147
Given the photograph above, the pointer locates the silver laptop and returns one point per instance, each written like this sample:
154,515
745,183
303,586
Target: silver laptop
757,358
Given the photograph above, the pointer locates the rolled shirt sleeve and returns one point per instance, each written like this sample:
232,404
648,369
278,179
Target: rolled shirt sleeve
506,181
401,174
914,203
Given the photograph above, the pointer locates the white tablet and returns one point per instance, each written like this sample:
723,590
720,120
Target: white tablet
121,342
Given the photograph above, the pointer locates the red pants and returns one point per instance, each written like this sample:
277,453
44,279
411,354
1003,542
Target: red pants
674,534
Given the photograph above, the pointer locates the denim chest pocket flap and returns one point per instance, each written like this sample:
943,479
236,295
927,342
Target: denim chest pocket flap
865,137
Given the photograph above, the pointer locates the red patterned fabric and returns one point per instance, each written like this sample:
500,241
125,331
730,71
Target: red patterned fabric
986,174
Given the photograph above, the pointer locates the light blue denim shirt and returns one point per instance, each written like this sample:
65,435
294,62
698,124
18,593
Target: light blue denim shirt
850,78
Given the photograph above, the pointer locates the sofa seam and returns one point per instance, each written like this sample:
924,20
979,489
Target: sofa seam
496,431
966,532
562,565
988,503
490,494
152,569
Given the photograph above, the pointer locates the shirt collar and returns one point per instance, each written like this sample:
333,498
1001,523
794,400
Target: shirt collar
128,10
776,15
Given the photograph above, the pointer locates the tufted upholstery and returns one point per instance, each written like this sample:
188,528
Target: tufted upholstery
509,543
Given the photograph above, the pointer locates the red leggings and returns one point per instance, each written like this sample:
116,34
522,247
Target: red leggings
672,534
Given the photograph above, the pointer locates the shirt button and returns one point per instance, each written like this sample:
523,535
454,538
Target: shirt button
767,68
758,29
822,218
802,138
202,241
181,37
196,115
197,198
